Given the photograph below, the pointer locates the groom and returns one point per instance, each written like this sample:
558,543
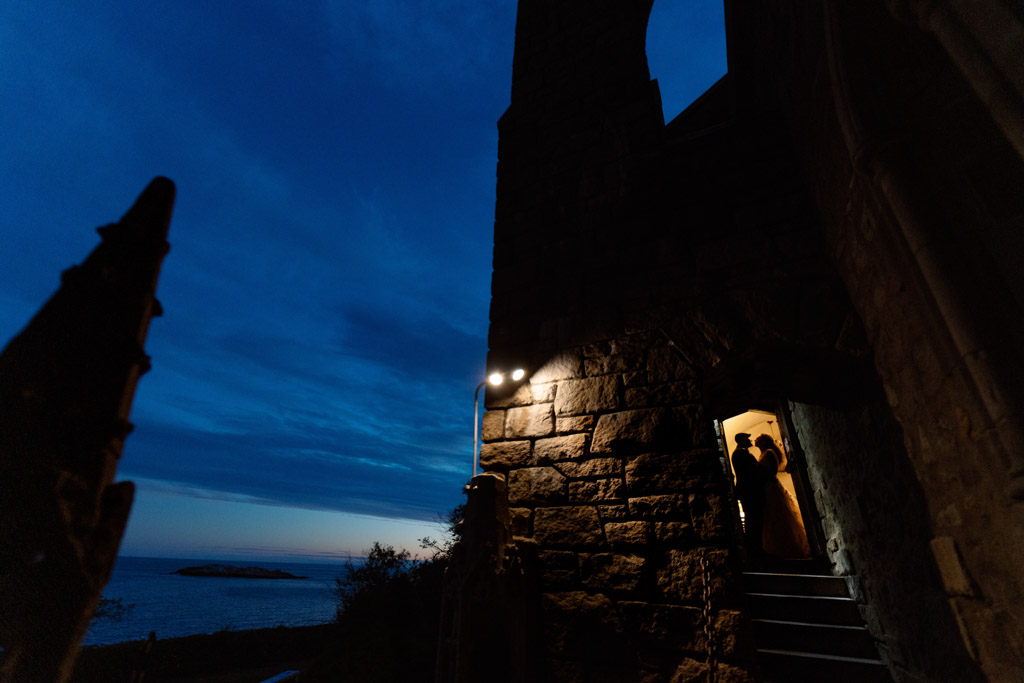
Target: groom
750,481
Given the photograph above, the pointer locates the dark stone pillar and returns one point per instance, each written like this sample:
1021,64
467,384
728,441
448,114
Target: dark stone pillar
66,387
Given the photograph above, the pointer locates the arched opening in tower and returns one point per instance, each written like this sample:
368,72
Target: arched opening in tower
685,50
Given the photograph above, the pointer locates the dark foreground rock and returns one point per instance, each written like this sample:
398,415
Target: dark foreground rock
223,657
228,571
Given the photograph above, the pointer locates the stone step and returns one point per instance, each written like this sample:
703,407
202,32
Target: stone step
810,565
795,584
828,639
804,608
784,666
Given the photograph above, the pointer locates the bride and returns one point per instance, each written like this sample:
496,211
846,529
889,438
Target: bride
784,534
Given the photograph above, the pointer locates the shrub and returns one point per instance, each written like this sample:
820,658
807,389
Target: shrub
389,609
112,608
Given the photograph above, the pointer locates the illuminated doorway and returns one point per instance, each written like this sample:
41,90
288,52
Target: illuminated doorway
792,528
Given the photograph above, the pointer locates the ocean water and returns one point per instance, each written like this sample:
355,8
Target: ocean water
174,605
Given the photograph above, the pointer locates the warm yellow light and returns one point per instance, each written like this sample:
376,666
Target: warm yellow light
495,378
518,374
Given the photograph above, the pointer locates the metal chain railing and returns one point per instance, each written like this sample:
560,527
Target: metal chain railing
706,617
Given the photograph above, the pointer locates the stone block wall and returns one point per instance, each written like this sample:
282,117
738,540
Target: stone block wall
875,518
614,478
950,439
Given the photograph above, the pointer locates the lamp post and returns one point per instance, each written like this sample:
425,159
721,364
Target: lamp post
495,378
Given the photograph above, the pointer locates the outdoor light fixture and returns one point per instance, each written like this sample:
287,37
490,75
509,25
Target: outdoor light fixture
495,378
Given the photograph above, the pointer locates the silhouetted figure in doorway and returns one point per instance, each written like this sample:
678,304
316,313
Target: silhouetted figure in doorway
784,534
751,478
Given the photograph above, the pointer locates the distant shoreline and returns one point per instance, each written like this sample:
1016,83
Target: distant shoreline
175,605
272,560
231,572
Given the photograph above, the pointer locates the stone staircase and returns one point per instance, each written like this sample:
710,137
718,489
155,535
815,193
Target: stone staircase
806,626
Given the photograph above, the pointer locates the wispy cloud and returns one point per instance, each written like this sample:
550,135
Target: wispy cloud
323,469
421,47
326,293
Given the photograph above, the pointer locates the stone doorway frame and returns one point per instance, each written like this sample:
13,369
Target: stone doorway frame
802,483
809,514
767,377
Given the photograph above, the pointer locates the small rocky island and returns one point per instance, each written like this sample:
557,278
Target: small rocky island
228,571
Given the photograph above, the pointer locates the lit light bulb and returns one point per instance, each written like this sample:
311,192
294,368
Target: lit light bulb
495,378
518,374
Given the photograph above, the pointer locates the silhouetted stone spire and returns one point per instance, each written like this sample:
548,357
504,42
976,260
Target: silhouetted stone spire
66,388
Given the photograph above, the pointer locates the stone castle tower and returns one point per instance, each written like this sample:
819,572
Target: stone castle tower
829,236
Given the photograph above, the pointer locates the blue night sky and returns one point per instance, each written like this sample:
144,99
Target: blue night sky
326,294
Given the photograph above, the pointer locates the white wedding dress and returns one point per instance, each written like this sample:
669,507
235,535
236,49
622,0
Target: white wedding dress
784,533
